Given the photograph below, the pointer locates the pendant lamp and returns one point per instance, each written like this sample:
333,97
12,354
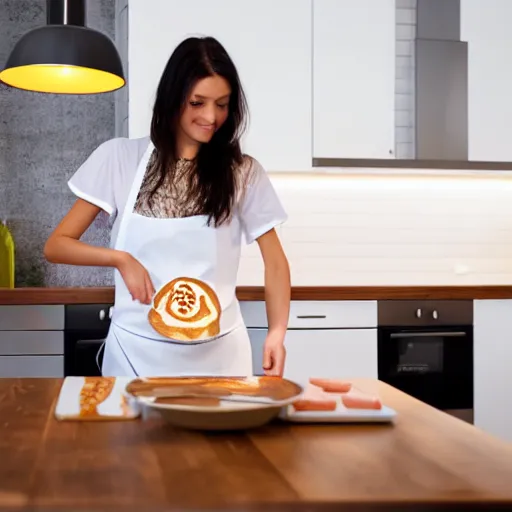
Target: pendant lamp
64,57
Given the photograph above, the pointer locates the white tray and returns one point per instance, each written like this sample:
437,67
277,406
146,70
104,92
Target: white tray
340,415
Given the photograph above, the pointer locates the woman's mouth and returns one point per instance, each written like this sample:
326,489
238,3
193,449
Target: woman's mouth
206,127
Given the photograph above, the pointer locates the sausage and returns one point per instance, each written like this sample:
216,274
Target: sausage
315,405
332,385
315,399
359,400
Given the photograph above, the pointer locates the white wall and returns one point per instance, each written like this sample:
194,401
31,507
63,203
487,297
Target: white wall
392,230
405,31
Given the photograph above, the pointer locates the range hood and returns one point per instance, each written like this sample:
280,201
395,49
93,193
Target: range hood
65,56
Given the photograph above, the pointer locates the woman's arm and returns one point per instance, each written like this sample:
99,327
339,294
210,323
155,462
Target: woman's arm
64,246
277,300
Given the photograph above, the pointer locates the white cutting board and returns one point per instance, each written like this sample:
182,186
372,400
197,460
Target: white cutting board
115,406
340,415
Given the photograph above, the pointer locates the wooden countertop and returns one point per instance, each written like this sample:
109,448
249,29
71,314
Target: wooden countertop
100,295
425,457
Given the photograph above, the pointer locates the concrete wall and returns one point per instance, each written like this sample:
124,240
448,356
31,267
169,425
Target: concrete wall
43,140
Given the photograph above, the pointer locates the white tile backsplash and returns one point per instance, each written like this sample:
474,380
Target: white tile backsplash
405,34
392,230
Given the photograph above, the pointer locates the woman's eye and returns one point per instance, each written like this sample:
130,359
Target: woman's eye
196,103
224,105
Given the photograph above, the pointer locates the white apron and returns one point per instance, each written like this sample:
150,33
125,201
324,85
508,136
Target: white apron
196,327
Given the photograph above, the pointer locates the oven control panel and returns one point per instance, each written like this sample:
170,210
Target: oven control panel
87,317
417,313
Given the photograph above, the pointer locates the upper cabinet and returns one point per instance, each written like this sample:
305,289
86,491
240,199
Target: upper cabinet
270,43
353,78
486,28
319,74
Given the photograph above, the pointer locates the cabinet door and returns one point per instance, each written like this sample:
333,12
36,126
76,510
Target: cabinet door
31,366
270,43
492,357
31,318
17,343
486,29
336,353
353,78
257,337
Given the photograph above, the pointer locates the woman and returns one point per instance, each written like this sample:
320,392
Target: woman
183,198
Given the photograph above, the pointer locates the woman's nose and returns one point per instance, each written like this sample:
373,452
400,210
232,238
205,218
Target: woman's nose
209,114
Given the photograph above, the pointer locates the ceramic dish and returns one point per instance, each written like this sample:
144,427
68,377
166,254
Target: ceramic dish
211,407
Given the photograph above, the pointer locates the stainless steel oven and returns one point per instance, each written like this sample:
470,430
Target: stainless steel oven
425,349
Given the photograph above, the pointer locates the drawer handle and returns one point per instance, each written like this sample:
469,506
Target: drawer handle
311,316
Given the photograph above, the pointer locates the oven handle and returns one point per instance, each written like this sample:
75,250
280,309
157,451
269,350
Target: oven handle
449,334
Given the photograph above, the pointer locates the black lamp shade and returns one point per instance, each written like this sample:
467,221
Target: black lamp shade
64,59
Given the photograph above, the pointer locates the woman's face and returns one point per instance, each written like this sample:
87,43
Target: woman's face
206,109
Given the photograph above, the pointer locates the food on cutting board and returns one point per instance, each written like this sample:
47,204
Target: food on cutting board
94,392
315,399
331,385
271,387
359,400
326,394
195,401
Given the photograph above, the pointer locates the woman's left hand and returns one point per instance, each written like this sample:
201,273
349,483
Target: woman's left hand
274,354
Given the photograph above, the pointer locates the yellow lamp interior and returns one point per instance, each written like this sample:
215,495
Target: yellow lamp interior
61,79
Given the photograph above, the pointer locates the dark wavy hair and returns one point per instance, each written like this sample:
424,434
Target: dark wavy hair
218,162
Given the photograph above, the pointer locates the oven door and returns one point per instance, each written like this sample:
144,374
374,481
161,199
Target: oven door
86,327
88,357
434,365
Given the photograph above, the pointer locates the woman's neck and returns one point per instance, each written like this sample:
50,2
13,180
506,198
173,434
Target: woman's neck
187,148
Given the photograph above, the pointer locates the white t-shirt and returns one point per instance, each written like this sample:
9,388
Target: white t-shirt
106,177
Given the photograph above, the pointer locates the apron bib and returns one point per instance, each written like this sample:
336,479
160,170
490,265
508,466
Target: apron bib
194,325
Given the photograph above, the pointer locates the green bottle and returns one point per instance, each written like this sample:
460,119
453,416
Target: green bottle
6,257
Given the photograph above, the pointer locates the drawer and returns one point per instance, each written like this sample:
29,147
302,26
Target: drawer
343,314
31,318
31,343
31,366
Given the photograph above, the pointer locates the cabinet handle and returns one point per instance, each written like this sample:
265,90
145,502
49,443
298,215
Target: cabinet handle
448,334
435,316
311,316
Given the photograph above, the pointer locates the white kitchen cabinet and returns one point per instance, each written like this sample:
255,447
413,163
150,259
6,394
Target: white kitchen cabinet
353,78
336,353
19,343
316,314
270,43
492,367
335,339
257,337
485,26
32,341
31,366
31,318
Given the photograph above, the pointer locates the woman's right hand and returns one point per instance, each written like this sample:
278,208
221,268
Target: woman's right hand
136,278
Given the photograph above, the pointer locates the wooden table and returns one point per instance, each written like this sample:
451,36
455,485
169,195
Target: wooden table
425,457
